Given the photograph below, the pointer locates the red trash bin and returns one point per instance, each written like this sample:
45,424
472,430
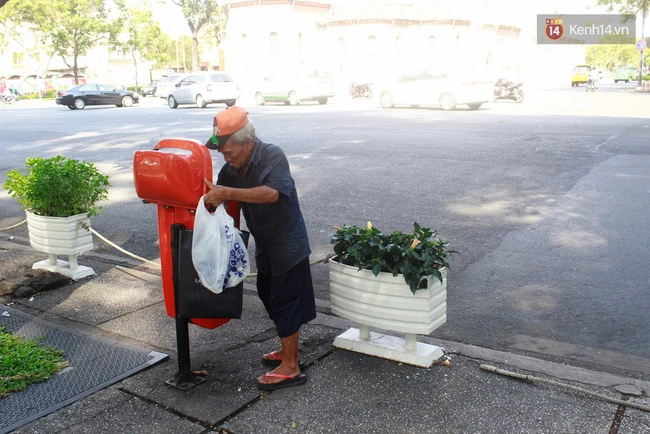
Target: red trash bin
171,176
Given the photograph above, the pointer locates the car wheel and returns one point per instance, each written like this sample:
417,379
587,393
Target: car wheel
322,100
475,105
231,102
71,107
387,100
447,101
200,102
573,84
293,98
127,101
259,99
172,102
79,103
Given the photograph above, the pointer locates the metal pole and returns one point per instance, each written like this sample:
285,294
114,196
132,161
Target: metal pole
176,55
645,3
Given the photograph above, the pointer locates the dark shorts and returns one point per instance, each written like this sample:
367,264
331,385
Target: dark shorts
288,297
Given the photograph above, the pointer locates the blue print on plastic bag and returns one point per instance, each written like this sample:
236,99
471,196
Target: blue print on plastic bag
238,263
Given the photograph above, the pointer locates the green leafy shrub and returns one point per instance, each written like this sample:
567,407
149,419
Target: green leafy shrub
58,187
415,255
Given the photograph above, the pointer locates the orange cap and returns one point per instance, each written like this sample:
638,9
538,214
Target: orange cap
226,123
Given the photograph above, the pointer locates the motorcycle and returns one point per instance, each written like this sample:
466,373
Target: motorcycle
506,89
9,98
591,85
363,89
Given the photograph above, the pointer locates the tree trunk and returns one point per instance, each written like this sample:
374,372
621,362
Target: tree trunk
195,52
135,65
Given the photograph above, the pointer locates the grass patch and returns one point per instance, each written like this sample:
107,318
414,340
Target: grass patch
23,362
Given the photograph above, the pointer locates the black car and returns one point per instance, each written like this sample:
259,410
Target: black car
78,97
149,90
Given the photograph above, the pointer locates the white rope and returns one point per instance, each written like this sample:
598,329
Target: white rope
14,226
532,379
139,258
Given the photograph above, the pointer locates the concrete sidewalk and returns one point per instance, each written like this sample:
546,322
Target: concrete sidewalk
346,392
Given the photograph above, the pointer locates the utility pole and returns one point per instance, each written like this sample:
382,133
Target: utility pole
645,5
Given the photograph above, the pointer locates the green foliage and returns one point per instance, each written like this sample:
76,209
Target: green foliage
72,27
415,255
611,57
197,14
58,187
23,362
140,36
623,6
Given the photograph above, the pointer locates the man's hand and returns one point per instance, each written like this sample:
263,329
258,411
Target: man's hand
217,194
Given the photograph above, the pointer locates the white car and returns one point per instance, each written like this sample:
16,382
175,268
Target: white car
203,88
294,90
435,88
166,84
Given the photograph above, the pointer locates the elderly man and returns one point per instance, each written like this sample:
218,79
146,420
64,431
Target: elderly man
257,174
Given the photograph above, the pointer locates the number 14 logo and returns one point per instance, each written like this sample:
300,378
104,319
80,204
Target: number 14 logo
554,29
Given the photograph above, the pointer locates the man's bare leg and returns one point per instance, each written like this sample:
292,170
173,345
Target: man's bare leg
289,355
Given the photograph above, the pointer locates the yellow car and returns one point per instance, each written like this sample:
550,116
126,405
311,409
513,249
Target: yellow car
580,74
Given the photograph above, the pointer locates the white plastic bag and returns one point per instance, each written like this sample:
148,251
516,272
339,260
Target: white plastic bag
218,253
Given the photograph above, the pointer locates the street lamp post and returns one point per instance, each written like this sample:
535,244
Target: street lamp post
645,4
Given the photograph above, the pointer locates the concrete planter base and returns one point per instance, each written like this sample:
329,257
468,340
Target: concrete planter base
389,347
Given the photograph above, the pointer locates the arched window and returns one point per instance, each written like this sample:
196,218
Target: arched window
372,47
273,39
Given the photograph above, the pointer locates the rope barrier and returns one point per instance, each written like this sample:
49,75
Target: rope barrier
14,226
531,379
140,258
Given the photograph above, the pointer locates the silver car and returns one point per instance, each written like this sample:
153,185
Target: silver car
204,88
166,84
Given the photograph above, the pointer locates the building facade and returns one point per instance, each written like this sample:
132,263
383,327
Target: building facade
368,40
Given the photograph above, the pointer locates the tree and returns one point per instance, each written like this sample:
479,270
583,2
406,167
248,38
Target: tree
71,26
144,40
624,6
613,56
199,14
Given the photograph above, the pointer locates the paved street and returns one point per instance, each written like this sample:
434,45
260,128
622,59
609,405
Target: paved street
544,200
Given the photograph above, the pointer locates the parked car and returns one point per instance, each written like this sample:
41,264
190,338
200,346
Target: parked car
166,84
294,90
203,88
436,88
149,90
78,97
624,74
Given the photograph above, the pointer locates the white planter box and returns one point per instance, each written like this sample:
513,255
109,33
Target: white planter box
61,236
386,302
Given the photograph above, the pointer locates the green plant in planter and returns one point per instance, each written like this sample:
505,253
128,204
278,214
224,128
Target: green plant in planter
415,255
58,187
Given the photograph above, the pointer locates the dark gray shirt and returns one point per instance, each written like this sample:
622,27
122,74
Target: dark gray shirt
279,228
